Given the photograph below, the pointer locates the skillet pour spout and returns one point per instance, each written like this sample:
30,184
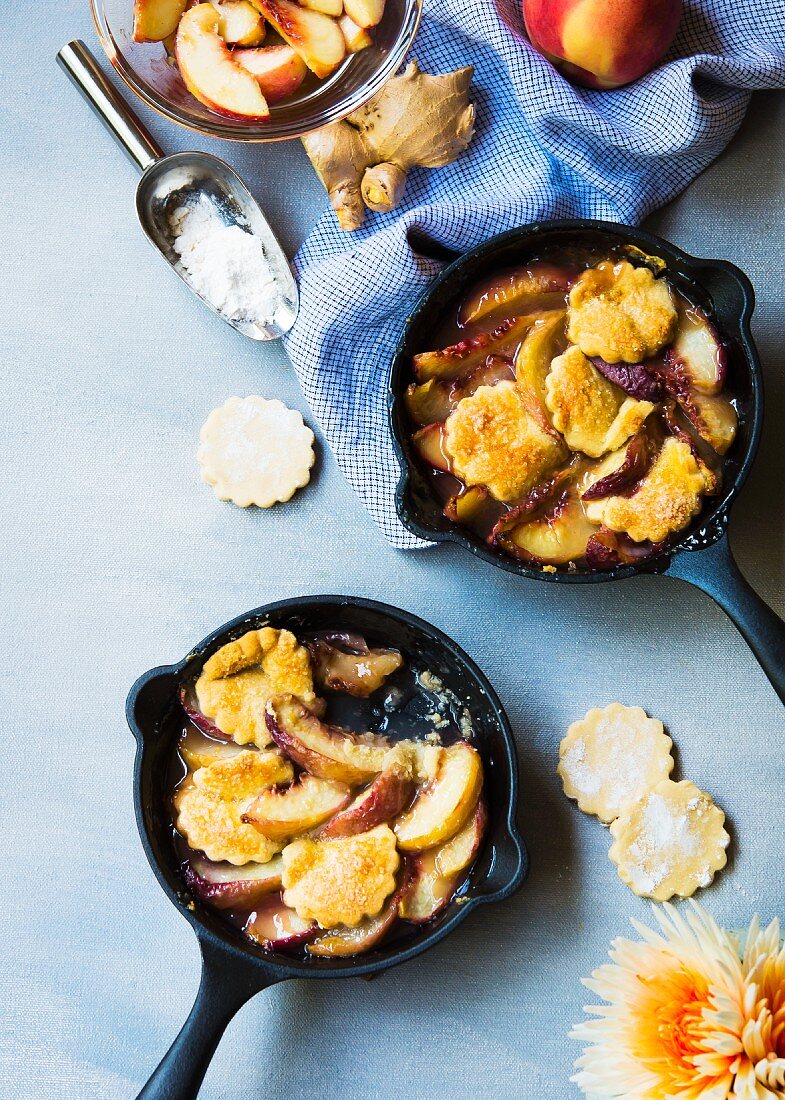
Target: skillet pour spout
702,555
233,968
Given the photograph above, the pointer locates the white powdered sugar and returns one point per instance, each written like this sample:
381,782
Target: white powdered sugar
224,263
665,838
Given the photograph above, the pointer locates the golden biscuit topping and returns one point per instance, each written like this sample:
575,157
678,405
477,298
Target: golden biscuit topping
239,679
621,313
343,880
665,501
593,414
493,441
209,810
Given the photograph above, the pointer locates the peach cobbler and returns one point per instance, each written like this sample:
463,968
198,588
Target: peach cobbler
581,420
306,834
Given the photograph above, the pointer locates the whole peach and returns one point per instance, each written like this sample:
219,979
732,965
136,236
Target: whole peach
602,43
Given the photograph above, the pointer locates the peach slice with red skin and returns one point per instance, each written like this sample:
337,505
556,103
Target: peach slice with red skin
210,72
225,886
316,37
357,674
201,721
698,350
429,444
435,399
384,800
539,284
155,20
277,927
280,813
444,805
459,359
278,70
425,892
327,752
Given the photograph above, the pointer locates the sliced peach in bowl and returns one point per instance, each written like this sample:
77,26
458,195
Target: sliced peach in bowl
210,72
155,20
278,70
225,886
316,36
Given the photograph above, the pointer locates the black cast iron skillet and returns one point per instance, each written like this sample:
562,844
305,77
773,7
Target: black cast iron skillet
702,556
233,968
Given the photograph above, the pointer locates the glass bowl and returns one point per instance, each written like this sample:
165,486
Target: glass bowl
146,70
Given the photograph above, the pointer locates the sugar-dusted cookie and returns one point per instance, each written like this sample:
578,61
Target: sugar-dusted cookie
254,451
664,502
621,313
210,809
611,757
671,841
240,678
492,440
593,414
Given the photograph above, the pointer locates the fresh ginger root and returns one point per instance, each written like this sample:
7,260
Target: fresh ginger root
415,121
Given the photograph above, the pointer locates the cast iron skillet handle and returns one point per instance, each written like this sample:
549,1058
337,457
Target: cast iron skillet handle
714,571
225,987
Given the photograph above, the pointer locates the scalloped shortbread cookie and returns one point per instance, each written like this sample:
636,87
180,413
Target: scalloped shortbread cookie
611,757
255,451
621,313
340,880
240,678
665,501
672,841
593,414
209,811
492,441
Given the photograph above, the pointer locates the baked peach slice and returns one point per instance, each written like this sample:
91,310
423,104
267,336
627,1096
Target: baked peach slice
155,20
545,340
327,752
278,70
328,7
458,360
459,852
201,721
210,72
239,23
698,351
429,444
277,927
425,892
444,805
382,801
345,940
316,37
280,813
539,284
199,751
356,673
225,886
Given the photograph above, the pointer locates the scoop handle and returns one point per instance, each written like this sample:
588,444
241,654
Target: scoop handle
114,112
715,572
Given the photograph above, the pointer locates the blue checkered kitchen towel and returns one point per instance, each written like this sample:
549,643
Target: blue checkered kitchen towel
543,149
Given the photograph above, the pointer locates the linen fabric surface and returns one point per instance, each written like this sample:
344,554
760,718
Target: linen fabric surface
543,149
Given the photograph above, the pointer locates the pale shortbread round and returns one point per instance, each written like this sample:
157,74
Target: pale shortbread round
671,841
611,757
255,451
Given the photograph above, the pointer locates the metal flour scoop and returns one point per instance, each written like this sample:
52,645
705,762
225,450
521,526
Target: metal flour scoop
169,182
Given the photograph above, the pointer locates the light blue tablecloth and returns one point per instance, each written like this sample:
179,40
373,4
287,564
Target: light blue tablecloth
116,557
